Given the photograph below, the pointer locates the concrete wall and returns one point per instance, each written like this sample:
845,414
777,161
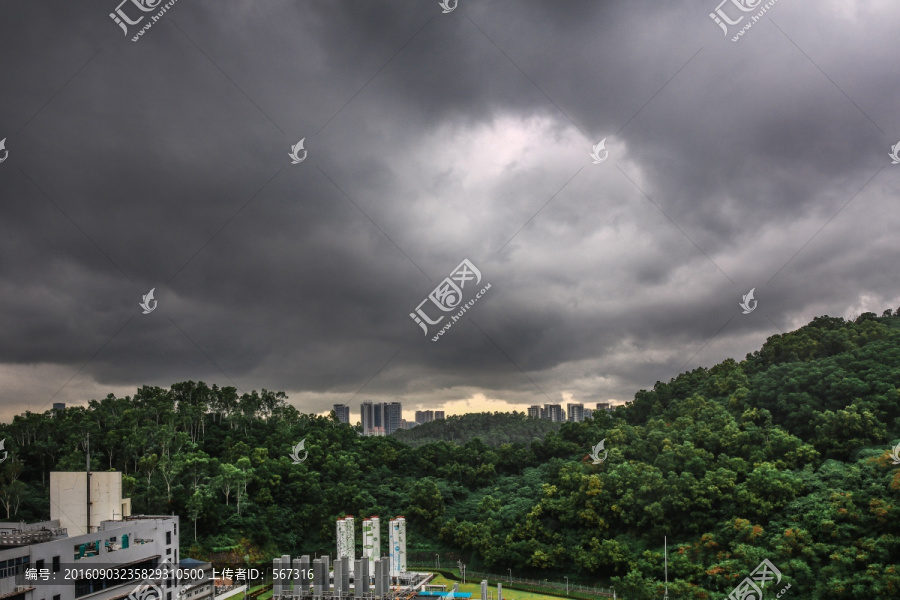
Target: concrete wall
68,499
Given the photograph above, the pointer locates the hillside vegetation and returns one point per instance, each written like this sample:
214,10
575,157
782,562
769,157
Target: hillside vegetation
782,456
493,429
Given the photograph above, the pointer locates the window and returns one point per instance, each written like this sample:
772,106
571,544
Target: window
168,537
176,528
56,564
168,595
56,597
39,564
168,551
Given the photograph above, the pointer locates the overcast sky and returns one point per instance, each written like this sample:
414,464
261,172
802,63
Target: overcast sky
432,138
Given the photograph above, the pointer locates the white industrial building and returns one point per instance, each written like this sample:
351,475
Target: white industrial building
69,500
145,542
91,528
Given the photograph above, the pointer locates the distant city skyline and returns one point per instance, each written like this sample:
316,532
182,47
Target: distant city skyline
559,412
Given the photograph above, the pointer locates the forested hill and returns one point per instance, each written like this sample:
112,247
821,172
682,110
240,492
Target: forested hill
783,456
834,384
493,429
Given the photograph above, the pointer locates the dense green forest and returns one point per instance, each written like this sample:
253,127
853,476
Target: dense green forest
783,456
494,429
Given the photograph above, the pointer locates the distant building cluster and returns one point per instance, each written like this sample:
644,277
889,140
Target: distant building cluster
575,412
381,418
384,418
427,416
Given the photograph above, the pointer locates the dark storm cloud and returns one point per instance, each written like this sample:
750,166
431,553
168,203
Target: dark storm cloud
433,138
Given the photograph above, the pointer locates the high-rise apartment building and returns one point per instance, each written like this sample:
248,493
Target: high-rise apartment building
379,414
604,406
554,412
534,411
438,415
367,417
575,412
588,413
392,417
381,418
342,412
424,416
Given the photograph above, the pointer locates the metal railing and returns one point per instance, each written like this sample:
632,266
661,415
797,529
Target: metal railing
477,576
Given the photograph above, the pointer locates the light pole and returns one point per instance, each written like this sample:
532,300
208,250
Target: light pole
614,593
567,585
438,558
247,588
510,575
666,554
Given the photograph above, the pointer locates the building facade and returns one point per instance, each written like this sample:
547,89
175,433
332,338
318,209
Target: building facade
424,416
554,412
342,412
393,417
69,500
575,412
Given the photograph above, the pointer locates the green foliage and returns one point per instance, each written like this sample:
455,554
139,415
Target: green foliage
782,456
493,429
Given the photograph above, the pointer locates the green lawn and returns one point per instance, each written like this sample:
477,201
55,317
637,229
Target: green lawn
475,590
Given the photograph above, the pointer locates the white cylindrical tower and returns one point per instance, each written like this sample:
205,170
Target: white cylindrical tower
346,540
372,541
398,546
350,540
